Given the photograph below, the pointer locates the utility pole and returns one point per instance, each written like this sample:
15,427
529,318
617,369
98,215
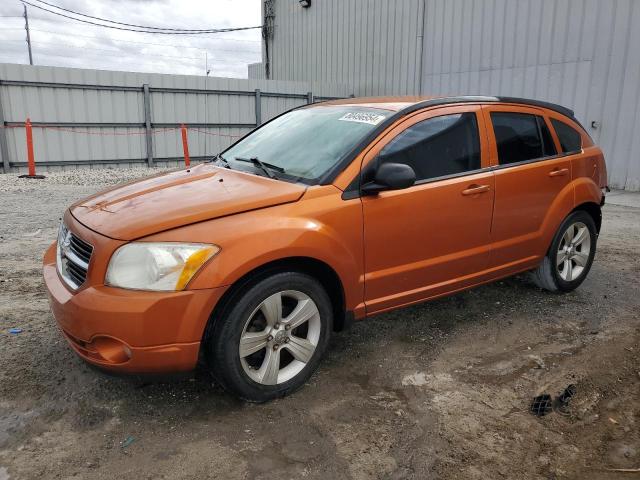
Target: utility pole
26,27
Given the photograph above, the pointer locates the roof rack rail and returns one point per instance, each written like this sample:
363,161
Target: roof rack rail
539,103
480,98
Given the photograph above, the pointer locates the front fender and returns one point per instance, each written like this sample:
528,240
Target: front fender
325,228
284,238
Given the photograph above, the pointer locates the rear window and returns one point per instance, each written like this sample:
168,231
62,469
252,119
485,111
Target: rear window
570,138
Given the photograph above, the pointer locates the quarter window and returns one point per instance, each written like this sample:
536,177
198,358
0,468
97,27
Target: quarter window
521,137
570,139
437,147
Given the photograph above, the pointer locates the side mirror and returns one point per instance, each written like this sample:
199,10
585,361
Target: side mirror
390,176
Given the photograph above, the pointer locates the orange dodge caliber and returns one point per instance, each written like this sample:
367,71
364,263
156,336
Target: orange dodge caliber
326,214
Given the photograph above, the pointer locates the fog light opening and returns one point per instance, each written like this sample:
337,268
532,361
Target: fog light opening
111,350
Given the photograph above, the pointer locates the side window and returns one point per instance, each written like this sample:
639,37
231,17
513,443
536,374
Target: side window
517,136
570,139
438,146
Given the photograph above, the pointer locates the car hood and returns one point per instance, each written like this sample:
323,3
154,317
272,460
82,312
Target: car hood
179,198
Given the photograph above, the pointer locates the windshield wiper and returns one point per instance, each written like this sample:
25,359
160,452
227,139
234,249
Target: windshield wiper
265,167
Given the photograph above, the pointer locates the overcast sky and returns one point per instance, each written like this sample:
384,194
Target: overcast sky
58,41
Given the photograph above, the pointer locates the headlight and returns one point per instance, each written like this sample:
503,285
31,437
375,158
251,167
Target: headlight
157,266
62,235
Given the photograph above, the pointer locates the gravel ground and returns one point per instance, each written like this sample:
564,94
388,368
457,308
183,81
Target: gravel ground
439,390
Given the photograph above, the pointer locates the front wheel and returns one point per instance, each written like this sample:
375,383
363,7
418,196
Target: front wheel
271,338
570,256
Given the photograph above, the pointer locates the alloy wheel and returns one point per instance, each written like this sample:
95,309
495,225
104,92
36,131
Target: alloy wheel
280,337
573,252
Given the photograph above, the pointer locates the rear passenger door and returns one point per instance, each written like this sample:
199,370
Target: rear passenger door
529,175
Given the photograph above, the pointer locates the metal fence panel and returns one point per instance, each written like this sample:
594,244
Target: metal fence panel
98,117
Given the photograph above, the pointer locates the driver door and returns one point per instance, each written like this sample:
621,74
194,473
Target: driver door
434,237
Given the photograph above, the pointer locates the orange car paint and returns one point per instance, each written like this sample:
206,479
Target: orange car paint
178,198
389,250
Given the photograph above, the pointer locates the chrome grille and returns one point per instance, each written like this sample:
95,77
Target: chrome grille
73,256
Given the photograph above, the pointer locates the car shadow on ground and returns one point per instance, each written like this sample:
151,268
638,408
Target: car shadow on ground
424,325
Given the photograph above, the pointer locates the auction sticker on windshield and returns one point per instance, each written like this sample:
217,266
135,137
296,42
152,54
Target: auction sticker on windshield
362,117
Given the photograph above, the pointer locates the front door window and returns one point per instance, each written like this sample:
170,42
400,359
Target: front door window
437,147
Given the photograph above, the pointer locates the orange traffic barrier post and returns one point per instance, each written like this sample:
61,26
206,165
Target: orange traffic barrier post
185,146
30,157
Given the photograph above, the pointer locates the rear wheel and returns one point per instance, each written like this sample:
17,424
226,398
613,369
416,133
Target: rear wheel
272,337
570,256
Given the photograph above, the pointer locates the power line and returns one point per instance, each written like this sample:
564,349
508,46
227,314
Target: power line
202,32
123,40
119,40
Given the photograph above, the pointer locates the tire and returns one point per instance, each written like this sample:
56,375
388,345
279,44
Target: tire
570,255
265,317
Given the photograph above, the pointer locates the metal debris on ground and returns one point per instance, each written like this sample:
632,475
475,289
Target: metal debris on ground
15,331
568,394
562,402
541,405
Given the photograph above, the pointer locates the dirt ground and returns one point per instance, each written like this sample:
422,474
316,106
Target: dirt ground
436,391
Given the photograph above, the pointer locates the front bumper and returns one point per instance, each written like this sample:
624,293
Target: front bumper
130,331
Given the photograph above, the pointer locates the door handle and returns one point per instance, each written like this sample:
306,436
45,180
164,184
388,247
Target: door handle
474,189
558,172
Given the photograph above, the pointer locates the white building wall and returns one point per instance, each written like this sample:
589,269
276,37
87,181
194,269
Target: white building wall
255,71
372,45
584,54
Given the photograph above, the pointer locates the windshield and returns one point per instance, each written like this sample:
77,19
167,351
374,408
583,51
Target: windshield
306,143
